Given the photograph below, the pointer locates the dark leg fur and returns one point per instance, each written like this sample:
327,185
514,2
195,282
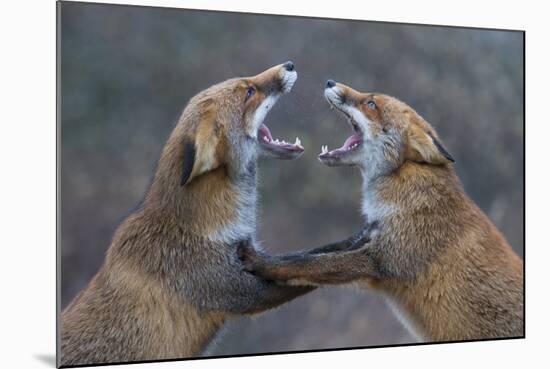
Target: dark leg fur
356,241
272,294
336,263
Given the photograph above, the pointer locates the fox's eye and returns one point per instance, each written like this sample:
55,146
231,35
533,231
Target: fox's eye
250,92
371,104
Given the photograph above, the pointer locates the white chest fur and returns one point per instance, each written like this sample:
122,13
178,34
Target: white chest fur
243,223
376,210
404,318
372,208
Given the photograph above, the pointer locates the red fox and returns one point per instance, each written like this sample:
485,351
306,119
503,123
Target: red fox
171,276
443,266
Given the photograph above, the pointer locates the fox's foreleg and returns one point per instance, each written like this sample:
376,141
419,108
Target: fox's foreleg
337,263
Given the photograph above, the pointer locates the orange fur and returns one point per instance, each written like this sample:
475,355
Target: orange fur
436,257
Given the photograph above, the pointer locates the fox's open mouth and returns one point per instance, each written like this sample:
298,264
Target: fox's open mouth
351,144
278,148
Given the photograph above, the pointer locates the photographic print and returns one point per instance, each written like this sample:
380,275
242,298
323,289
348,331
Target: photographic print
239,184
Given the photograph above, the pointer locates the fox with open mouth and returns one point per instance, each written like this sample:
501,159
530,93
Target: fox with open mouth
445,269
171,277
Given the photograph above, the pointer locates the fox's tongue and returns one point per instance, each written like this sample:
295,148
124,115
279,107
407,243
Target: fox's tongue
264,136
265,132
351,141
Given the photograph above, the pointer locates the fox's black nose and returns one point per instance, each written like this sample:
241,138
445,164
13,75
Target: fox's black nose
330,83
289,66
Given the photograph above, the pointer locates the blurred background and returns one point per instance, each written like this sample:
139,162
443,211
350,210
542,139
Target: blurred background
127,73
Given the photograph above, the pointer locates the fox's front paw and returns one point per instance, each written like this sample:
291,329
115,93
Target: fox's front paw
249,257
364,236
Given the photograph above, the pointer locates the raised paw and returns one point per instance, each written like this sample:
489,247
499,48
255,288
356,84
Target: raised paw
248,256
364,236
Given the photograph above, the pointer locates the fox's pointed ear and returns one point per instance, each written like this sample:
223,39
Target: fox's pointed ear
199,155
425,148
188,161
442,150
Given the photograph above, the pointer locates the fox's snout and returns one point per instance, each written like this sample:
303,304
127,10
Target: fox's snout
289,66
386,132
267,87
275,81
223,125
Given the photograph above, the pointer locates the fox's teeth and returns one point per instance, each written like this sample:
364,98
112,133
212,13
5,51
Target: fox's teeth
297,142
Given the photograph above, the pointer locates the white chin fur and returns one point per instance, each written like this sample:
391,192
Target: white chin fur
331,94
288,79
261,113
361,120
